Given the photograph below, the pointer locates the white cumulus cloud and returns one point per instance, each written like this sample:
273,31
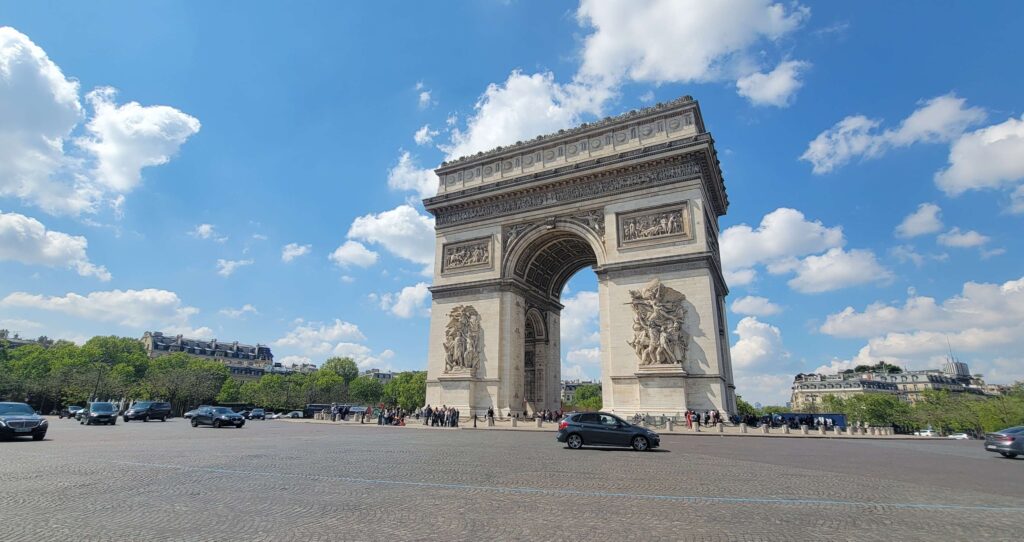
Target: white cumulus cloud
50,159
579,321
408,302
353,253
923,221
239,312
207,231
753,305
837,269
759,344
424,136
776,88
407,175
991,157
26,240
137,309
293,250
402,231
962,239
319,338
226,268
940,119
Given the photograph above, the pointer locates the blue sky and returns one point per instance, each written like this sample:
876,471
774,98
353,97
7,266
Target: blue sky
252,171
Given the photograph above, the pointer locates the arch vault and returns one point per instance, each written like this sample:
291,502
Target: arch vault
637,198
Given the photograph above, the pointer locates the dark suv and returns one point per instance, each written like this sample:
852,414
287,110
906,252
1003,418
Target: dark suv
99,413
217,417
19,420
602,429
148,410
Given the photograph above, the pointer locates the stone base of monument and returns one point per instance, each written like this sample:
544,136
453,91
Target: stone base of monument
455,389
662,388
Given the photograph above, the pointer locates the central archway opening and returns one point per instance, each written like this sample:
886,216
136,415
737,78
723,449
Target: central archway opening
544,268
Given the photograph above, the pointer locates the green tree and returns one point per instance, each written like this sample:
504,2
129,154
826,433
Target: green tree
325,386
230,391
744,408
366,390
343,367
407,390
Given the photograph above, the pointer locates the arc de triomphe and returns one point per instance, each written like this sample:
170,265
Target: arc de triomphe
637,197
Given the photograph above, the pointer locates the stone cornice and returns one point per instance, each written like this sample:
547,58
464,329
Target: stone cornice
655,266
679,104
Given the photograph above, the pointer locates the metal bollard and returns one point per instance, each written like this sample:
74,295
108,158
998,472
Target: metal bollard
765,428
670,425
821,429
514,419
803,429
837,431
785,429
721,427
540,422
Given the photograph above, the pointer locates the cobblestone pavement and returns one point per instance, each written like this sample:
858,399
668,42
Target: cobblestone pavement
279,480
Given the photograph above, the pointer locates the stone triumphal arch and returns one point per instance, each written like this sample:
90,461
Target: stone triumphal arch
636,197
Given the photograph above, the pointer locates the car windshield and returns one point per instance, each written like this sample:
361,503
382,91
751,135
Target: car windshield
257,410
102,407
223,410
6,409
141,405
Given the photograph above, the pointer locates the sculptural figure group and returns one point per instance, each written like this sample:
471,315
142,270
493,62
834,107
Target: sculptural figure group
462,339
658,320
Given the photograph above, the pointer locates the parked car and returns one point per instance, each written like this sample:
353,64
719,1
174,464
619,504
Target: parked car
959,436
293,414
603,429
19,420
148,410
217,417
1008,442
68,412
926,433
257,414
98,413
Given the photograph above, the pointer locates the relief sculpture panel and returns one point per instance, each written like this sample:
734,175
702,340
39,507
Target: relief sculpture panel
466,255
462,343
659,337
655,225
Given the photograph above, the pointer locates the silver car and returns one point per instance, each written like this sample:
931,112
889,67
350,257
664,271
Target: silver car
1008,442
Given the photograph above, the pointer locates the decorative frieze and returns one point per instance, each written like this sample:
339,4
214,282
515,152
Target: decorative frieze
655,225
560,193
466,255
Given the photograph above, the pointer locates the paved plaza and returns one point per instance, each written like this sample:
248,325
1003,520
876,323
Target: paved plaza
284,480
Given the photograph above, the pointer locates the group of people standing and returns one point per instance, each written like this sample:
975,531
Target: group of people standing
443,416
706,418
391,416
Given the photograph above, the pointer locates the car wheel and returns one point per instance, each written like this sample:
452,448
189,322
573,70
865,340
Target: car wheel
640,444
195,423
216,424
164,419
38,437
574,441
145,418
113,422
1008,455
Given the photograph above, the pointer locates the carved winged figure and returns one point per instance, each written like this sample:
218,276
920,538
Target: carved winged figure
462,339
658,321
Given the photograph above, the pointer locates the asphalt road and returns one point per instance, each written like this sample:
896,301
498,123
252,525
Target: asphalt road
279,480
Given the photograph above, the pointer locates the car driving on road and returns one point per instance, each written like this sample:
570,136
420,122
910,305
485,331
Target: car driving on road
148,410
1008,442
69,411
19,420
217,417
98,413
602,429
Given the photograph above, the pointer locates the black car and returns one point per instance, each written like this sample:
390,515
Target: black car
257,414
19,420
1007,442
217,417
98,413
69,411
602,429
148,410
